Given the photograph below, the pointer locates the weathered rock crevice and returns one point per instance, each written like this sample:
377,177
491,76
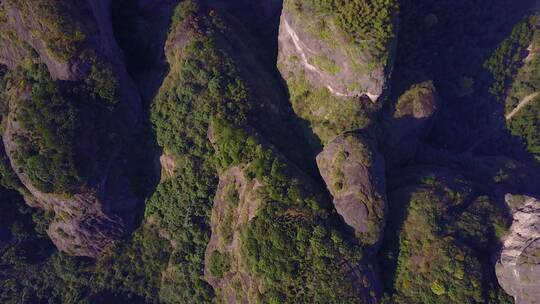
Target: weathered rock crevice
518,266
344,72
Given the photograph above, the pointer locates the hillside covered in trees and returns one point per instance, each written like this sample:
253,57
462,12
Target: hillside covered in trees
278,151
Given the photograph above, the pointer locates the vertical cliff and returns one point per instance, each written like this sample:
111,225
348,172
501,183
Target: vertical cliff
70,112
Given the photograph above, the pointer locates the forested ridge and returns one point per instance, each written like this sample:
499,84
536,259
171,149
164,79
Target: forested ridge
321,151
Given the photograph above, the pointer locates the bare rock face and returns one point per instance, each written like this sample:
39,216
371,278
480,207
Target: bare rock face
419,101
81,228
412,120
14,51
354,174
518,267
103,208
310,42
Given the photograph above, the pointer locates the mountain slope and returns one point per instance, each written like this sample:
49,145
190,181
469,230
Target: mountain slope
329,151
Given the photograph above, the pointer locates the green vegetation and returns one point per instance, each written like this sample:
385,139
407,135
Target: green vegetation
101,83
293,243
360,20
437,289
441,246
507,58
451,43
45,147
220,263
526,123
8,178
33,271
181,207
441,233
226,225
205,90
64,31
328,115
326,64
231,195
48,121
135,267
203,85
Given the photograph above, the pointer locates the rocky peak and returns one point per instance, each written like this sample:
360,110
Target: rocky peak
518,266
74,45
311,42
354,174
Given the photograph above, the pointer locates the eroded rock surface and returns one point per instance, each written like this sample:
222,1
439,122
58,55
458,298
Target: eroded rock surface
103,206
354,174
311,42
235,204
518,267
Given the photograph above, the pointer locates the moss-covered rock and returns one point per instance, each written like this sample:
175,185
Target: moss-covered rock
344,47
354,174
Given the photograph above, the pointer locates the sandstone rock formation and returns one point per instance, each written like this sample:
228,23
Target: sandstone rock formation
310,42
518,267
354,174
104,206
335,73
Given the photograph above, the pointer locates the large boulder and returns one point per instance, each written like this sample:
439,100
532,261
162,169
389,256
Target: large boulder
336,60
518,267
355,176
335,54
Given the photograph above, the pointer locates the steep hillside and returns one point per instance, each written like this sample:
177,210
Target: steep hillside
281,151
214,133
69,110
439,238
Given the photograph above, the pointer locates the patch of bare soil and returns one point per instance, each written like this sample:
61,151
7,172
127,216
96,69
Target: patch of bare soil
168,166
236,202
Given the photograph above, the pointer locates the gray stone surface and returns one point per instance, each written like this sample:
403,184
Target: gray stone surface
354,174
518,266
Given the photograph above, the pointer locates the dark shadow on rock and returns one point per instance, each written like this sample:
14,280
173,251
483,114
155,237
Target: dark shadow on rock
389,252
257,25
141,29
449,41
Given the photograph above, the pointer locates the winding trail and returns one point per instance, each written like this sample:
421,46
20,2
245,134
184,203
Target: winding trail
524,102
301,48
